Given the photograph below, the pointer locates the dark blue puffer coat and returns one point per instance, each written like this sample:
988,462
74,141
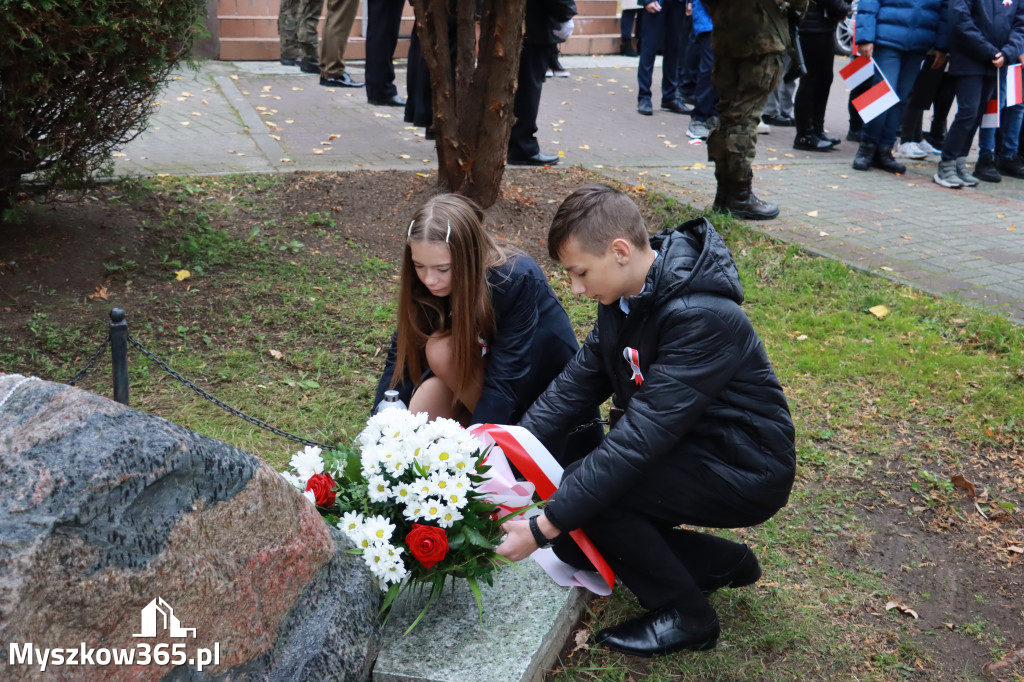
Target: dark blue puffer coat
979,29
908,25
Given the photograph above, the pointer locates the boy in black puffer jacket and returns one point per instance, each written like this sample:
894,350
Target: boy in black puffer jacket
704,435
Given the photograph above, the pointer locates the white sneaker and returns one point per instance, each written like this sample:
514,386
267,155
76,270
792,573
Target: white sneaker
561,73
549,74
763,128
928,148
698,130
910,150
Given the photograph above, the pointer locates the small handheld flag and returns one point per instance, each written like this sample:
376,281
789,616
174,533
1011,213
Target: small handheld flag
876,101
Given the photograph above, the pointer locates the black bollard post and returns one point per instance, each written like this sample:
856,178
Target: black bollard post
119,354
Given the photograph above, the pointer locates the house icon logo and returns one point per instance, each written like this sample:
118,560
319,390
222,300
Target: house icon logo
158,615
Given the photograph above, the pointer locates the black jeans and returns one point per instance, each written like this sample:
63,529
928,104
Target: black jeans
812,95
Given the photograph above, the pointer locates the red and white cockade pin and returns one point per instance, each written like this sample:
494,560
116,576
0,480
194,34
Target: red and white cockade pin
1007,3
633,358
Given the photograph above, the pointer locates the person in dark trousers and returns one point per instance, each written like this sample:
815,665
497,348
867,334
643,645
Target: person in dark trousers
383,20
985,35
897,35
479,327
662,25
702,433
817,32
544,18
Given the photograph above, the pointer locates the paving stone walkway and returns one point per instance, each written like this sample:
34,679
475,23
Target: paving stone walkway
262,117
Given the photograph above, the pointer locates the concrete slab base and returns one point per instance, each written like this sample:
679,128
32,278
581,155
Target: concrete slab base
526,621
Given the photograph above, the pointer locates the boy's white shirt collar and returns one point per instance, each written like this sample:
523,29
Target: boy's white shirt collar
624,300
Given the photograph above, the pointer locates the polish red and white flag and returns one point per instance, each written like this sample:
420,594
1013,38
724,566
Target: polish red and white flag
876,101
1014,86
990,119
857,71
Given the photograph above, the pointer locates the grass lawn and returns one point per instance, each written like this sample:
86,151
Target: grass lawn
898,556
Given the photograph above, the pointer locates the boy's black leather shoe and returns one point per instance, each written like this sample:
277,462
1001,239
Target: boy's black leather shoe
660,632
746,572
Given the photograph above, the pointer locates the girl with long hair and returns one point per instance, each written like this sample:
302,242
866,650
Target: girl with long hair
480,332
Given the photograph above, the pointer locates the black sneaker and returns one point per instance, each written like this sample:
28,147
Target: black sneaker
986,170
644,107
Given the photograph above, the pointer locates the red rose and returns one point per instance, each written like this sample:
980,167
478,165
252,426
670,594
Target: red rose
323,487
428,544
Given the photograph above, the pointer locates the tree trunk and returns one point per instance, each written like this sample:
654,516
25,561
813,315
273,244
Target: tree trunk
472,106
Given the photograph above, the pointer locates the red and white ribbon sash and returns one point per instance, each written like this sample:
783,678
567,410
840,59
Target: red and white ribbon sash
633,358
544,474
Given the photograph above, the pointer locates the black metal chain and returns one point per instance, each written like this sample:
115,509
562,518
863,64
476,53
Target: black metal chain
223,405
91,361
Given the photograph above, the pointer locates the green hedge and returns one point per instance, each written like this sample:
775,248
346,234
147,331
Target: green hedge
78,79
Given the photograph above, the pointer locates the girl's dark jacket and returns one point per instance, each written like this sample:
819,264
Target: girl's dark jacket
532,344
708,390
979,29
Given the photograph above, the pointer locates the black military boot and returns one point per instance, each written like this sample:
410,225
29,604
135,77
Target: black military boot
865,155
886,161
738,200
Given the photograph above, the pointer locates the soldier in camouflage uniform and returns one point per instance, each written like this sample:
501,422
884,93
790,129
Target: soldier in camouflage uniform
749,40
297,27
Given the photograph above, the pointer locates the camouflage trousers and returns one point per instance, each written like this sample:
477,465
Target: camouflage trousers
743,86
297,26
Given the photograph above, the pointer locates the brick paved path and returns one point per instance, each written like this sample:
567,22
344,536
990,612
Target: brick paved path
262,117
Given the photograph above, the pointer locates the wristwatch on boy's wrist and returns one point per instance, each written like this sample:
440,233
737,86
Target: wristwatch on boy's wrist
539,537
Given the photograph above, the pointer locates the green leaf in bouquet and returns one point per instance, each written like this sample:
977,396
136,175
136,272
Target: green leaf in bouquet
456,540
519,512
475,587
389,598
353,465
476,537
435,590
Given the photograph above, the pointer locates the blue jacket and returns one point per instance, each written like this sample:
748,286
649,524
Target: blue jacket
701,18
907,25
979,29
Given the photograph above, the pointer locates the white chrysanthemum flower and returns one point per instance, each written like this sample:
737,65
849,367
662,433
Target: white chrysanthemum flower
440,484
293,479
370,458
456,500
421,486
432,509
378,488
395,572
350,522
461,484
310,496
307,462
414,511
403,493
378,529
440,454
449,515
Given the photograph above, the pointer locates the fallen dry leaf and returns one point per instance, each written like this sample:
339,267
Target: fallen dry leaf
182,274
579,639
879,311
813,214
276,354
101,294
962,483
903,608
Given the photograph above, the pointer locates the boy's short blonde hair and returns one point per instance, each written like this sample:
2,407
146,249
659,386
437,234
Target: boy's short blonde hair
596,215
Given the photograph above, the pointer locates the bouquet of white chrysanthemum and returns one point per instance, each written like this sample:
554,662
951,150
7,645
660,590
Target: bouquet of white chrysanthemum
406,495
